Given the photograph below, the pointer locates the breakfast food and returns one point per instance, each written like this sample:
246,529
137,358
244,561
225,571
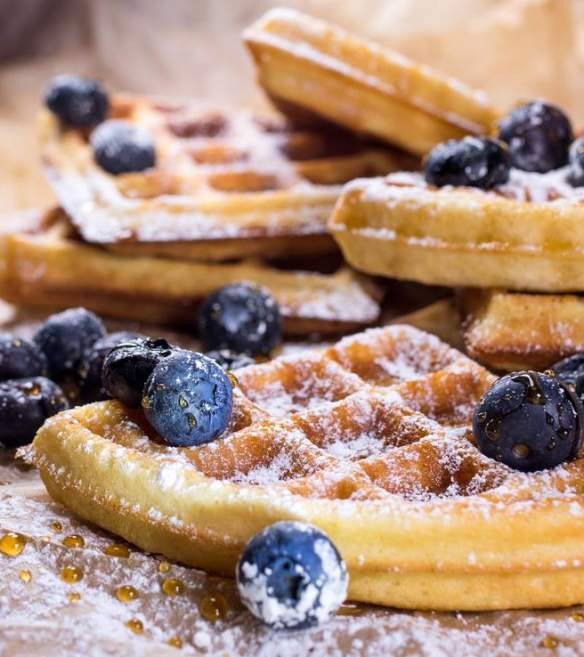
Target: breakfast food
472,220
48,267
312,68
370,441
514,330
291,576
189,181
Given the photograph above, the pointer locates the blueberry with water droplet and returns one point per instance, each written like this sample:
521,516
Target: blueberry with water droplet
470,162
20,358
188,399
25,404
241,317
529,421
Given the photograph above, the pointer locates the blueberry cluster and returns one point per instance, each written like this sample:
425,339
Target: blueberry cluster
82,104
187,396
536,136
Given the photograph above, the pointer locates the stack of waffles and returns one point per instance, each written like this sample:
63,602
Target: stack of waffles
236,195
513,252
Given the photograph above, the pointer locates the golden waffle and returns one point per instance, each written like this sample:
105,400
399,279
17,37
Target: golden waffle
514,331
50,268
370,441
524,235
309,66
227,184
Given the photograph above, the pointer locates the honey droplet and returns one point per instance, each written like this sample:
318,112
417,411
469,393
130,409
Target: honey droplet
172,586
74,541
135,625
213,607
175,642
126,593
56,526
163,567
71,574
350,610
12,544
116,550
550,641
74,597
577,616
233,380
25,576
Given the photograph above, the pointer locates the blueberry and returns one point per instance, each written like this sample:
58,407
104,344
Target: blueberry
571,372
25,404
120,147
20,358
241,317
128,365
291,576
529,421
539,135
576,174
65,337
230,360
77,101
188,399
469,162
90,372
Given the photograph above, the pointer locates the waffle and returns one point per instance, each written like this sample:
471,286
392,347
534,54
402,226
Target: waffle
524,235
49,267
228,183
513,331
309,67
369,440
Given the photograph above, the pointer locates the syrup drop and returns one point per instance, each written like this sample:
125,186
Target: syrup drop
126,593
71,574
12,544
550,641
74,541
56,526
135,625
172,586
25,576
213,607
116,550
163,567
74,597
175,642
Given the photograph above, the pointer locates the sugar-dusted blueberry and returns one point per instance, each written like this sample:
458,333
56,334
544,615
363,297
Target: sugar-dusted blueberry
529,421
470,162
129,364
241,317
539,136
570,371
291,576
121,147
20,358
576,172
188,399
230,360
65,337
25,404
77,101
90,371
